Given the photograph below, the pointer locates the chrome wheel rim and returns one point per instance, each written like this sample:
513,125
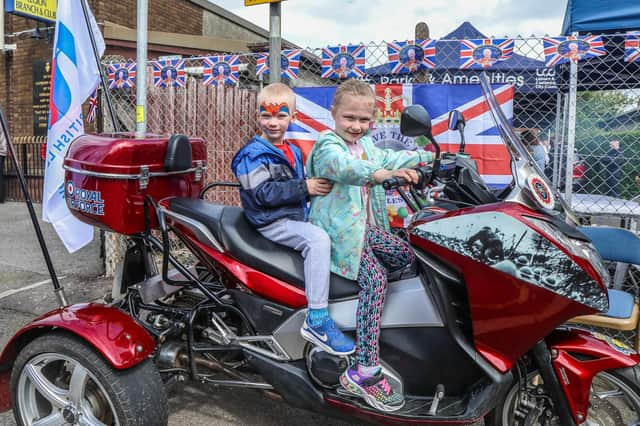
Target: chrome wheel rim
611,401
54,390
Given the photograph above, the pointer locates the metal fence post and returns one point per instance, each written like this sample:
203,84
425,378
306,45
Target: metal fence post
141,71
275,41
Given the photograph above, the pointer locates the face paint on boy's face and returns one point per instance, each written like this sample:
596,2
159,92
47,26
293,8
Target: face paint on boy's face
274,109
274,119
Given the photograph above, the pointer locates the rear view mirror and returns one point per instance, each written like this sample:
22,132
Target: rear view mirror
456,120
415,121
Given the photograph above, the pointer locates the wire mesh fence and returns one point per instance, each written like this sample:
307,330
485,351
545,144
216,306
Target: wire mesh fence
600,172
602,168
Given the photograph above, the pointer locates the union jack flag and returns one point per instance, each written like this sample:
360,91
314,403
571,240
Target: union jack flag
289,63
122,76
484,52
221,70
343,61
632,46
93,107
484,144
409,56
169,73
558,50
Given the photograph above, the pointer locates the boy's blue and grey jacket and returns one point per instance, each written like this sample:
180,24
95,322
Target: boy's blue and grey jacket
270,188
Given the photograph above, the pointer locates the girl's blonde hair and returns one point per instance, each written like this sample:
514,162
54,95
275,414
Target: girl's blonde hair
353,87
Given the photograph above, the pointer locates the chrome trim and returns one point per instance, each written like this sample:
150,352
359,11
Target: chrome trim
264,345
132,176
203,233
431,264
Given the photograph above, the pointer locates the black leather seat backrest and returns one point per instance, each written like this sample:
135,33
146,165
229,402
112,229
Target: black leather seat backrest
178,156
247,245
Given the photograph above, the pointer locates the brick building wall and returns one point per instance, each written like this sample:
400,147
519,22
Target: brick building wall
16,68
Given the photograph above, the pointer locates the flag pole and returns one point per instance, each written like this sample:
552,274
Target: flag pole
94,47
57,289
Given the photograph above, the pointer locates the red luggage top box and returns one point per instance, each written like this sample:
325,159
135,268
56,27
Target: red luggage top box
108,176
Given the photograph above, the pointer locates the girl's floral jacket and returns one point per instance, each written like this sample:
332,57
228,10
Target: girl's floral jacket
341,213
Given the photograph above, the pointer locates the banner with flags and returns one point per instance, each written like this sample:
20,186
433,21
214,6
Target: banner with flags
632,46
93,107
343,62
221,70
289,63
410,56
122,76
169,73
74,76
558,50
485,52
483,140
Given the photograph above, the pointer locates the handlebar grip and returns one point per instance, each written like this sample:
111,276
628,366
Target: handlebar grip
394,182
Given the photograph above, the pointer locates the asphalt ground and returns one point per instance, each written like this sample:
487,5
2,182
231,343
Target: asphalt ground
26,292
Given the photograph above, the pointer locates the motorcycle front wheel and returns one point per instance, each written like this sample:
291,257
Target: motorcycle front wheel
614,400
59,379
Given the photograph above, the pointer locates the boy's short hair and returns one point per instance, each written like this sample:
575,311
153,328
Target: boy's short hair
277,90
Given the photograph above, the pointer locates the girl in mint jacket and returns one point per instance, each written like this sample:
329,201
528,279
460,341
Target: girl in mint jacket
354,215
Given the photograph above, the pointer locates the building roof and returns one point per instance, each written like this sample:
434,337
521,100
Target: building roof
241,22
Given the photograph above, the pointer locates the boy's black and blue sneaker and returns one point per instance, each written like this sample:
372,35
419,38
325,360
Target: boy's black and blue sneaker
328,337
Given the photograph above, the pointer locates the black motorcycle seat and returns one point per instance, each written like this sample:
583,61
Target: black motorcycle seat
244,243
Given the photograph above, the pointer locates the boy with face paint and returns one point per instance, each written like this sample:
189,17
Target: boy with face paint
275,195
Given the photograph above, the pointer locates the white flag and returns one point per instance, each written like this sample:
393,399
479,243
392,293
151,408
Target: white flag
74,76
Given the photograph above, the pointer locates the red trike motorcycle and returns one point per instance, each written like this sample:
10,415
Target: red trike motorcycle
473,329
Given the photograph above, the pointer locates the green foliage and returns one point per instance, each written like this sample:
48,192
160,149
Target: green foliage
594,111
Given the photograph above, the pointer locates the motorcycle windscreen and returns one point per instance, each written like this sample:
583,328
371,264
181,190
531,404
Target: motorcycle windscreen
520,156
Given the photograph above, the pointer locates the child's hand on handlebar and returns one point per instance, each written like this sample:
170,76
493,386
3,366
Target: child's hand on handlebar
318,186
408,175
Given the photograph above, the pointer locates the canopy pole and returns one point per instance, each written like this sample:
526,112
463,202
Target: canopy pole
571,130
556,140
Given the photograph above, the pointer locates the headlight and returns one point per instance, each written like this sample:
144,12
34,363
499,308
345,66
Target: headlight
580,248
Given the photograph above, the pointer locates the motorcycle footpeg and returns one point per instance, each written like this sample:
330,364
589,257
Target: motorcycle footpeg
436,400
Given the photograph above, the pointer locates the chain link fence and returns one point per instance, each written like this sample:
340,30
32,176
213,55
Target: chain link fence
599,174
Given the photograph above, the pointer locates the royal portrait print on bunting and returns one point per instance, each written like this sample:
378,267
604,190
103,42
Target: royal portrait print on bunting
342,62
410,56
221,70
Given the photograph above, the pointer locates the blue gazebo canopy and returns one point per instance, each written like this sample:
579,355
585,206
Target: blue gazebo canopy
529,74
601,16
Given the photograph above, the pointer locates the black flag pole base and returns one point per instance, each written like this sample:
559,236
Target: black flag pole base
57,289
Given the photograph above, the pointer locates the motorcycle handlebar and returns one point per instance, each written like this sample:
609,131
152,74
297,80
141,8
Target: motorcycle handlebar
394,182
424,173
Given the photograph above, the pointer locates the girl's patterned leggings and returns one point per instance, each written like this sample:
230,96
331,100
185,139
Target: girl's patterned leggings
382,251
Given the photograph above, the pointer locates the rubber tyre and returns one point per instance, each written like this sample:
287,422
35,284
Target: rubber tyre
137,394
629,376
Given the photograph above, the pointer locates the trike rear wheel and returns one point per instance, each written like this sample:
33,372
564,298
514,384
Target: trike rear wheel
59,379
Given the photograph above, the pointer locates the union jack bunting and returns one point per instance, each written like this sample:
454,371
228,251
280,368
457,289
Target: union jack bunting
221,70
93,107
558,50
122,76
409,56
343,61
169,73
632,46
289,63
484,52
